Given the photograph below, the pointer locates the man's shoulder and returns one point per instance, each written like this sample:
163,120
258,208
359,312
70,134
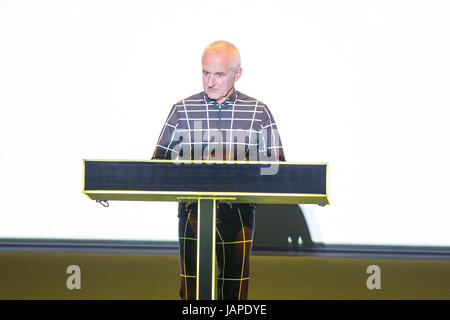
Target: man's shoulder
242,97
198,97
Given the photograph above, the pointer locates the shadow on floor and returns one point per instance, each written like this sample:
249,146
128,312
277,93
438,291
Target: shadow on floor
281,226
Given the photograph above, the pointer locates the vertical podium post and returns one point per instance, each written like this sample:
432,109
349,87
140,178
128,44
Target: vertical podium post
206,249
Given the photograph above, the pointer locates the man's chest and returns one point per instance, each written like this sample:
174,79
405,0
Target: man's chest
229,118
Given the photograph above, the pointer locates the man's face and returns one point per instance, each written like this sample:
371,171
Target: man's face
218,77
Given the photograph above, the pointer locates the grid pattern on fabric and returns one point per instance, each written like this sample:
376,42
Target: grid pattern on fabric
240,128
234,237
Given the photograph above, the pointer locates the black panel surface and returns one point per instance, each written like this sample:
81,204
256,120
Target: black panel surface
204,177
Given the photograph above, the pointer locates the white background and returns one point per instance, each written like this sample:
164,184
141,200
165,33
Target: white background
362,85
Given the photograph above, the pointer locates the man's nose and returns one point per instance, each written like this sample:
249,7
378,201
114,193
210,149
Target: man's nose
212,81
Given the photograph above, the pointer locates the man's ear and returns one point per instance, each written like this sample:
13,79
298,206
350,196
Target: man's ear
237,74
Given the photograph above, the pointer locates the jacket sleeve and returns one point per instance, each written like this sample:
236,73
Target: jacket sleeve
270,147
166,141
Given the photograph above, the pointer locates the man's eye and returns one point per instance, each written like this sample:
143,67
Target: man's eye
220,74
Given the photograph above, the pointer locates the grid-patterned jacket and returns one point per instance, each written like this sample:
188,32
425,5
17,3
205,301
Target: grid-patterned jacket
199,128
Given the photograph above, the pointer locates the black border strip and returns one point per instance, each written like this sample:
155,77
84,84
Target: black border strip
171,247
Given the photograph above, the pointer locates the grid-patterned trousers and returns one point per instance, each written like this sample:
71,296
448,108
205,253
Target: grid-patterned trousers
234,236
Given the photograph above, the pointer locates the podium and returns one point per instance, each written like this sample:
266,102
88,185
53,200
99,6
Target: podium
206,182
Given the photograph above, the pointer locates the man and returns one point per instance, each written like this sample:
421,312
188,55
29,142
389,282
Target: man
219,123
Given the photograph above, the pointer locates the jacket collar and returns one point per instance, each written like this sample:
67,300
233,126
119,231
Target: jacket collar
229,100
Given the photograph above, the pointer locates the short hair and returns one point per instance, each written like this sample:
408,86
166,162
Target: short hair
222,46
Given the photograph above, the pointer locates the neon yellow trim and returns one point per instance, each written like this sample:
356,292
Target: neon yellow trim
213,264
211,161
213,271
184,255
243,254
326,184
187,238
281,198
221,242
84,179
223,254
205,195
234,279
181,198
84,174
198,252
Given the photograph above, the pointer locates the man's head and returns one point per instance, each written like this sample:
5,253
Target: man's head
221,64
